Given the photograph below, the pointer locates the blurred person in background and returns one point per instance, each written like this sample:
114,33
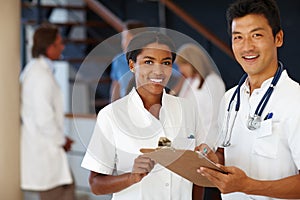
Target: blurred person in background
120,73
44,165
203,85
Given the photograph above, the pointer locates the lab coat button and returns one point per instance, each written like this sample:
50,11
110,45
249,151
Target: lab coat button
167,184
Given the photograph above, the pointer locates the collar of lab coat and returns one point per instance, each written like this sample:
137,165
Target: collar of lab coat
134,120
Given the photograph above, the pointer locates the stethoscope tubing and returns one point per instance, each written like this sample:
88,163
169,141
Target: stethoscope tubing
259,110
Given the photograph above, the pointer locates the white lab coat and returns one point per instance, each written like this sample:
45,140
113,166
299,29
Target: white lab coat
272,151
44,164
125,126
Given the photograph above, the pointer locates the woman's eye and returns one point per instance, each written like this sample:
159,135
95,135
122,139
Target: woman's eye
167,63
148,62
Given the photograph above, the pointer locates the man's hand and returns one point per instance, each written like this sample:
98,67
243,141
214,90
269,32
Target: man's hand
234,181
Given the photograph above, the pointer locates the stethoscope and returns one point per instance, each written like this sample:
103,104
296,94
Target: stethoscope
254,121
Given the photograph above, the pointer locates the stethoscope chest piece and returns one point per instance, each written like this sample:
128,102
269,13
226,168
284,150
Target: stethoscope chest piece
254,122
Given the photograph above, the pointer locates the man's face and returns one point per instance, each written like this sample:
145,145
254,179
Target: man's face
186,69
254,45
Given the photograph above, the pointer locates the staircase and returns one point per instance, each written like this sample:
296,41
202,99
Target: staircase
82,30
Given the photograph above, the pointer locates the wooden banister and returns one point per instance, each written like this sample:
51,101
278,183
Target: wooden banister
198,27
84,116
105,14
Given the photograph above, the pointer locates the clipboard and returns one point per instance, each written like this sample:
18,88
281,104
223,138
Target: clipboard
184,163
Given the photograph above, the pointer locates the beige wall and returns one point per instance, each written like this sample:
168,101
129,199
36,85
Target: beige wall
9,100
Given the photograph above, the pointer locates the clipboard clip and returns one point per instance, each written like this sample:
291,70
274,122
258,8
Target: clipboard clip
146,150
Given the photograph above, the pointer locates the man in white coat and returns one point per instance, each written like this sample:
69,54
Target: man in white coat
44,164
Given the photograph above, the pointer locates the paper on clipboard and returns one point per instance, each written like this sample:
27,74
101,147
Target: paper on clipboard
184,163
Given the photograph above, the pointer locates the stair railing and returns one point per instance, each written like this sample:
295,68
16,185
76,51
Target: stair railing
198,27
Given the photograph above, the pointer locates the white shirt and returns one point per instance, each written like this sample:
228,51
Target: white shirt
272,151
207,98
44,163
125,126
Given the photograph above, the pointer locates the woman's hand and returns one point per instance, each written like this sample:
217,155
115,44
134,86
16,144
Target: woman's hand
142,166
68,144
208,152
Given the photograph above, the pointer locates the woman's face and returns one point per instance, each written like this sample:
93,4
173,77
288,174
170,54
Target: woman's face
153,68
55,50
186,69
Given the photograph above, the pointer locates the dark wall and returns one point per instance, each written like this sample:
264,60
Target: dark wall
212,15
289,52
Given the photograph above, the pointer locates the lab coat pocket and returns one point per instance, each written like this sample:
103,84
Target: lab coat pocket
184,143
266,142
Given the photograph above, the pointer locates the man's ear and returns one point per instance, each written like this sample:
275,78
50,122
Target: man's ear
279,38
131,66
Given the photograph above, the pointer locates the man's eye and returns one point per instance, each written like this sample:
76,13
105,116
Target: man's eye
237,37
257,35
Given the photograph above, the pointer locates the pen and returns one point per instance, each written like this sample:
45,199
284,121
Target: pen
268,116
